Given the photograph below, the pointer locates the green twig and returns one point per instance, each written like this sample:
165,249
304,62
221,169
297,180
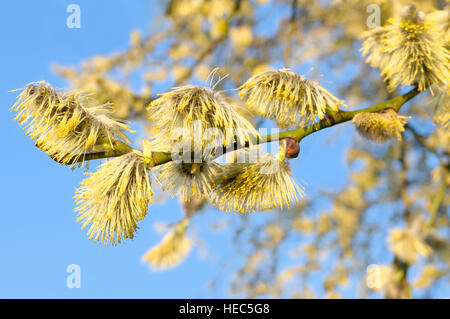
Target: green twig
106,149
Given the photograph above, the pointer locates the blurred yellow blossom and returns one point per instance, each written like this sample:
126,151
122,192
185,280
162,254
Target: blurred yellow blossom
407,245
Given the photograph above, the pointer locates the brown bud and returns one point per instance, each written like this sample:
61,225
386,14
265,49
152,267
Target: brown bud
292,148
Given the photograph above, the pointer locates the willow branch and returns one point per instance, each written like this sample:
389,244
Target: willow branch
345,116
107,149
338,117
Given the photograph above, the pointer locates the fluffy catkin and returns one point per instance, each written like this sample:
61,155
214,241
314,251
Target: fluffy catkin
112,200
287,97
180,112
172,250
66,126
380,127
409,50
264,184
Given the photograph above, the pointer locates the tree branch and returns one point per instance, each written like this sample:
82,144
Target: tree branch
108,149
338,117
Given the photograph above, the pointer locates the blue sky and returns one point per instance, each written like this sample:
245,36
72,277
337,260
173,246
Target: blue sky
39,236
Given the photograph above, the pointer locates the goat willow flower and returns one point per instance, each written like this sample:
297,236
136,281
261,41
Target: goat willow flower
265,184
172,250
409,50
380,127
407,245
65,125
114,198
189,179
182,107
287,97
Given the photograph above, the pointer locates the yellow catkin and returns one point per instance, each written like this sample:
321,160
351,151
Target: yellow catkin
112,200
171,251
287,97
265,184
186,107
64,125
189,179
409,50
407,245
380,127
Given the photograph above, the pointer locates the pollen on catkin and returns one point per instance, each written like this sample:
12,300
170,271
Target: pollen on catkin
172,250
64,125
112,200
264,184
380,127
186,106
409,50
287,97
189,179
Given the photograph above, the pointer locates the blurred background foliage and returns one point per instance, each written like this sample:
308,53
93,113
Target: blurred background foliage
405,184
